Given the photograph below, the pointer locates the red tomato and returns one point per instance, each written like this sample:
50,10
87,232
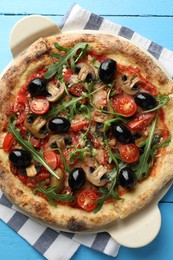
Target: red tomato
42,176
79,125
126,106
99,57
39,105
8,142
141,121
87,200
76,89
67,75
21,108
52,159
129,153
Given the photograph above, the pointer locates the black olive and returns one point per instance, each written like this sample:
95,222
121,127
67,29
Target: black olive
77,178
20,158
37,87
126,178
145,100
107,70
122,134
59,125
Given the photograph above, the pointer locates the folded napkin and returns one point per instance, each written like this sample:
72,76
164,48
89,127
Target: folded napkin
48,242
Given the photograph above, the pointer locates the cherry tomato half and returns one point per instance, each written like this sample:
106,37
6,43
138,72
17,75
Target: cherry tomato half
79,125
129,153
39,105
67,75
126,106
8,142
21,108
52,159
76,90
86,200
141,121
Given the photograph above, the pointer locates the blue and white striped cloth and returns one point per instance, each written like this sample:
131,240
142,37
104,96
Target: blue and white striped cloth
48,242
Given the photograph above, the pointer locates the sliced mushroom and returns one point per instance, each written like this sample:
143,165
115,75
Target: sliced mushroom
55,91
100,117
56,141
36,126
31,171
86,72
96,177
128,84
59,183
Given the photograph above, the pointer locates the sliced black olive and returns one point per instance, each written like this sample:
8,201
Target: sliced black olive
126,178
124,77
107,70
37,87
122,133
137,135
77,178
105,108
20,158
59,125
145,100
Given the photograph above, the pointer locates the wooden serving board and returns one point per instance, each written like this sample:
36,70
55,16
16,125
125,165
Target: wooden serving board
135,231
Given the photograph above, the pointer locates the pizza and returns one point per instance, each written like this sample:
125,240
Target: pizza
85,130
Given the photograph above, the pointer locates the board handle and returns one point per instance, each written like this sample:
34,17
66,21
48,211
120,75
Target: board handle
139,229
28,30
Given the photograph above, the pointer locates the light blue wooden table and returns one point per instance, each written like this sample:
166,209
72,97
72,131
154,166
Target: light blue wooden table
154,20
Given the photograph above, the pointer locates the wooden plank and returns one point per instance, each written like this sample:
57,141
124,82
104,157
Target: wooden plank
118,7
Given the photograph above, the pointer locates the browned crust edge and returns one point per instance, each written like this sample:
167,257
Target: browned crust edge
35,58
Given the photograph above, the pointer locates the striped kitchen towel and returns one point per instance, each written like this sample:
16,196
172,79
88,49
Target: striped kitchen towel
47,241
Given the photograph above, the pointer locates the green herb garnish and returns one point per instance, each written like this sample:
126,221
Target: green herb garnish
143,166
51,194
37,156
71,58
162,100
107,193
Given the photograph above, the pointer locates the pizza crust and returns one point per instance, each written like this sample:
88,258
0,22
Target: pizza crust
65,217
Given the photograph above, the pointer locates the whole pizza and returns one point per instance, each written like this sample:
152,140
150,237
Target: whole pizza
86,126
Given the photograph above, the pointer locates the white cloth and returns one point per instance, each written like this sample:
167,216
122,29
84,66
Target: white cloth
44,239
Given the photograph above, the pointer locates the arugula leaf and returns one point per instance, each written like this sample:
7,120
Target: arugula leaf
107,124
78,153
157,145
66,166
37,156
162,100
71,103
51,194
71,57
143,166
107,193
